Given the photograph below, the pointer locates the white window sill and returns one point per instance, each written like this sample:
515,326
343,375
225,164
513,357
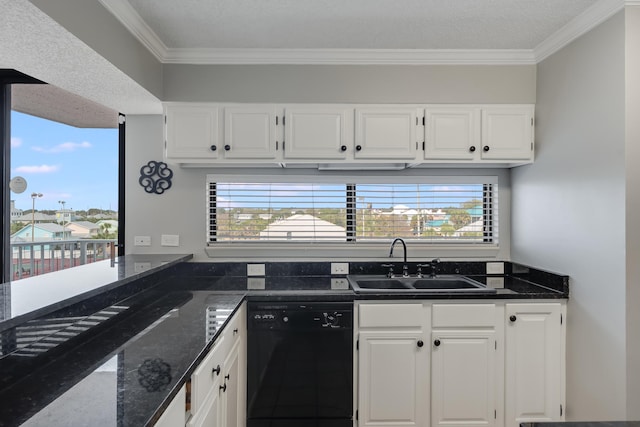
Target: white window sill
362,252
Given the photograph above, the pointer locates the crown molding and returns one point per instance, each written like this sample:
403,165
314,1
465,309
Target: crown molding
350,56
129,17
590,18
581,24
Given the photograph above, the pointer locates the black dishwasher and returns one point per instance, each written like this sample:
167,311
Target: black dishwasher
300,364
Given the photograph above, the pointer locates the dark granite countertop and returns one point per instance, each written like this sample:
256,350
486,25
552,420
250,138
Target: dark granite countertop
118,357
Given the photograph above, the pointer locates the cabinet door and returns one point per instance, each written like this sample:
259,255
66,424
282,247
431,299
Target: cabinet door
393,379
463,375
250,132
192,132
232,413
174,415
387,133
317,133
452,133
535,361
507,133
208,375
210,413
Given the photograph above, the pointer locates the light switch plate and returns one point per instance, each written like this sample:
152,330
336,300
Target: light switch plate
255,269
142,241
495,268
169,240
339,268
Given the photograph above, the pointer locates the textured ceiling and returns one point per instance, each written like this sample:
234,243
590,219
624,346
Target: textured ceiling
34,44
356,24
53,103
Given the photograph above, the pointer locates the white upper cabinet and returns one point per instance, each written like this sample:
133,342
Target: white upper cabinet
507,132
247,135
192,131
250,132
388,132
318,132
452,133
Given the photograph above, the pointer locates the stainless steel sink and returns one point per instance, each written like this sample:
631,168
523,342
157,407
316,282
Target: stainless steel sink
438,284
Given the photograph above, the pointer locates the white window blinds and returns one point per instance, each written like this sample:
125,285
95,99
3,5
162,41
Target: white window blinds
431,212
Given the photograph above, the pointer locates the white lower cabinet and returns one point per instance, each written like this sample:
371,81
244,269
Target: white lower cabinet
218,383
535,362
459,364
232,392
392,371
210,413
175,413
393,364
463,386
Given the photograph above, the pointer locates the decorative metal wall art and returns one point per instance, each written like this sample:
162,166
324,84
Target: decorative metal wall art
155,177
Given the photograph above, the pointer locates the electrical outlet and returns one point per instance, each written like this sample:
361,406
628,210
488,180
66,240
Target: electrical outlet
255,269
142,241
339,268
255,283
495,268
495,282
339,283
139,267
169,240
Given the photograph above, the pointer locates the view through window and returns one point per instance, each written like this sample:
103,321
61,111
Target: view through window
429,212
67,215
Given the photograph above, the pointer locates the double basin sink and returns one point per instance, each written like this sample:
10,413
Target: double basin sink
428,284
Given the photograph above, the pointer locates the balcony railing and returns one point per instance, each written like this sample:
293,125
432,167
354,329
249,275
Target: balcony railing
33,258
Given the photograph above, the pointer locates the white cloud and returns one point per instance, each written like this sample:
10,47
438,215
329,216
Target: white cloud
65,147
38,169
223,202
15,142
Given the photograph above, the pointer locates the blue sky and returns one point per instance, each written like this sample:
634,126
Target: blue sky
78,166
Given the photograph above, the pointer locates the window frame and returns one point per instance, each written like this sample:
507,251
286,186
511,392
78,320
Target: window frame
368,249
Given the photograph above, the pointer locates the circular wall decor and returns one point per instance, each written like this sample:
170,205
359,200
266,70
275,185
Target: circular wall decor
155,177
18,184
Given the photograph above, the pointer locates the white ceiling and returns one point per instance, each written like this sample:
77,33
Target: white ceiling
259,31
53,103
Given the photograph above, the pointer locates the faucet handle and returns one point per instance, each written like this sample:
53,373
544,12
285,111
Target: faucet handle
390,272
434,266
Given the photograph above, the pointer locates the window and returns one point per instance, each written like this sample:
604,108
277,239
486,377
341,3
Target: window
433,210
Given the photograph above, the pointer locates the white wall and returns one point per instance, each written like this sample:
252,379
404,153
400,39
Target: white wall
181,210
632,80
568,211
491,84
100,30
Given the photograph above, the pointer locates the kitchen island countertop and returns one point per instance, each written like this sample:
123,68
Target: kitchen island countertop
88,363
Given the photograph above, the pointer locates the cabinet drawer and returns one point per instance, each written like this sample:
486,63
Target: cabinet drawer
208,373
236,326
463,315
391,315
